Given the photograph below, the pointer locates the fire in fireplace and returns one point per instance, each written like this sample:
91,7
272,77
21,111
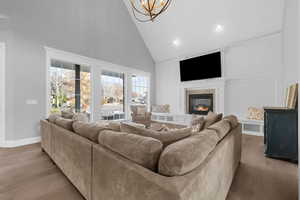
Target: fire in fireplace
200,104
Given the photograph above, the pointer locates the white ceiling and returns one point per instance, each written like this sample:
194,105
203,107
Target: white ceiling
193,23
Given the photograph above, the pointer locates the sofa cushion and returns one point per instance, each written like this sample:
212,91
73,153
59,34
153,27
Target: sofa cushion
67,114
130,127
233,120
184,156
166,137
80,117
114,126
53,117
144,151
212,118
222,128
64,123
89,130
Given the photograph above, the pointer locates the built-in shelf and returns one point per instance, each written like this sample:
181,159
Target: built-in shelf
252,127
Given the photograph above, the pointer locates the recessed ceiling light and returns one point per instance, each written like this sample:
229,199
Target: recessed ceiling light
176,42
219,28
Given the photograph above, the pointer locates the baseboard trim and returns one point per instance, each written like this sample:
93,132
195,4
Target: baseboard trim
252,133
18,143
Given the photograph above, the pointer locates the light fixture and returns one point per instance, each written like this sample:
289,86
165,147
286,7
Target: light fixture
176,42
219,28
148,10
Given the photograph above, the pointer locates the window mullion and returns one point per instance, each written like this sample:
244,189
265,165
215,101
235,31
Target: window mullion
77,88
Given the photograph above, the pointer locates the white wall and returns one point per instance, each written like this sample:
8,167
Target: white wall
252,72
97,29
290,37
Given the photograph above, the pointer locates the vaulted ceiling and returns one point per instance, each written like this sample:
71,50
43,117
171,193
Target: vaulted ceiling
192,24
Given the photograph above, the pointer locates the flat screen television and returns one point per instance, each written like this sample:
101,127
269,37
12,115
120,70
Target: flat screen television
202,67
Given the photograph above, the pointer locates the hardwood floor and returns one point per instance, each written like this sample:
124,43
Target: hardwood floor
26,173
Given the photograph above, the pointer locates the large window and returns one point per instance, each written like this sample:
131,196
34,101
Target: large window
113,101
140,90
70,87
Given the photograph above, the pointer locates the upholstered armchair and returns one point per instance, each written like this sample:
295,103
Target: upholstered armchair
140,115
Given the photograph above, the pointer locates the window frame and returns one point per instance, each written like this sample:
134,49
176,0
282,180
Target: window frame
148,86
96,68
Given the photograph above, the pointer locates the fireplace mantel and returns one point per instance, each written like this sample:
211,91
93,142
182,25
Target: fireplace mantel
216,84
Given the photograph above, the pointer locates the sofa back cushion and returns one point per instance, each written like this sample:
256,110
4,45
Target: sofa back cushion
114,126
89,130
83,117
64,123
67,114
222,128
144,151
233,120
212,118
184,156
130,128
166,137
53,117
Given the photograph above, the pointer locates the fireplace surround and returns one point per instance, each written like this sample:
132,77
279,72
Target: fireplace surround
200,101
214,86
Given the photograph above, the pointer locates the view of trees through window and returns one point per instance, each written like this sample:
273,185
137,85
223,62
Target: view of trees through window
63,87
112,95
71,90
139,90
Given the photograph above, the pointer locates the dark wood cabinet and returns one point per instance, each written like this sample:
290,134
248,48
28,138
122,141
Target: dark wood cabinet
281,133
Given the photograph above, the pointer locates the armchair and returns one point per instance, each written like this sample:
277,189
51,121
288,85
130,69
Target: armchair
140,115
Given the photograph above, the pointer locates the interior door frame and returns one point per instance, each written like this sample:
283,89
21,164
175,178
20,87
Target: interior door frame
2,93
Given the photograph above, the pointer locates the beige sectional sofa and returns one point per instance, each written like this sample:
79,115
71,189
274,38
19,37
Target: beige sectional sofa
134,166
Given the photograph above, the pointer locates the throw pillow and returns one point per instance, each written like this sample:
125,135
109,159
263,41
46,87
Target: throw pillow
197,124
160,108
212,118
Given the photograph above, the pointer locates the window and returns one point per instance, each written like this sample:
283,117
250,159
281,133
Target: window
140,90
70,87
112,102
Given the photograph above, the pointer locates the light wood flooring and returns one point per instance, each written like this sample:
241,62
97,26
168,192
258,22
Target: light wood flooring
26,173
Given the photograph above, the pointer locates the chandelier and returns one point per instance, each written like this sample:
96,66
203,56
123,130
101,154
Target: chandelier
148,10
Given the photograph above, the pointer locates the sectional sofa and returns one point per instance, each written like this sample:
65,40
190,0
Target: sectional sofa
106,162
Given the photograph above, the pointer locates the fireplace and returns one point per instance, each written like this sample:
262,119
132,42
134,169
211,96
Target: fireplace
200,102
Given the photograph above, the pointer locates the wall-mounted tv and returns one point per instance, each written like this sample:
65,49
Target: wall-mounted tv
202,67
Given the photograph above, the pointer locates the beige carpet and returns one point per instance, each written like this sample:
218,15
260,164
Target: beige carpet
261,178
28,174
